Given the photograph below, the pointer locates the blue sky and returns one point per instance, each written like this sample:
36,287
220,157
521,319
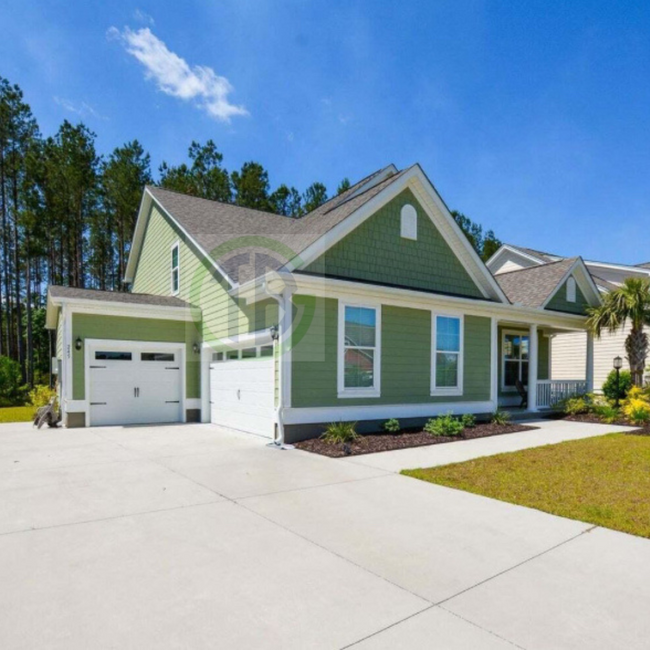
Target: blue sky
530,117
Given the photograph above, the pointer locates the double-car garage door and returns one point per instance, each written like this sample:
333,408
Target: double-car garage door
242,390
134,384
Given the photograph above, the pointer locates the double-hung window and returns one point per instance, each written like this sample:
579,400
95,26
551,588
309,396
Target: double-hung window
359,351
515,359
175,278
447,355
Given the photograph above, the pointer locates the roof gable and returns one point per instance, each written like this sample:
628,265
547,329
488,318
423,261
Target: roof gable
375,251
536,286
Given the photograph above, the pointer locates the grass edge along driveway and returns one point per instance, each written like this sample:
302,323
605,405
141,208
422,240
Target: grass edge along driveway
17,414
603,481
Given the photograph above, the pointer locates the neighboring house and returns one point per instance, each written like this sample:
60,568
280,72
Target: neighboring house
373,306
568,351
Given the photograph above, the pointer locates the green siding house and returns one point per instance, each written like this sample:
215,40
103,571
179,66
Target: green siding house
370,307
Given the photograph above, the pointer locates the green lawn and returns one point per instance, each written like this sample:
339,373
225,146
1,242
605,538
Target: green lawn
17,414
603,481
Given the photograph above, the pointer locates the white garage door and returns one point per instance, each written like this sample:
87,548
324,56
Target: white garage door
134,385
241,395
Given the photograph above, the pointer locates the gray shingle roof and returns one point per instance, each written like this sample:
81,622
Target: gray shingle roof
56,291
277,239
532,286
643,265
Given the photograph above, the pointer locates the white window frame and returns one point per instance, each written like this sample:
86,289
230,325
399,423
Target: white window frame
571,289
447,390
522,333
375,390
408,222
176,245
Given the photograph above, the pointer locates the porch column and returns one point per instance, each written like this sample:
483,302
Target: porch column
532,369
589,369
494,364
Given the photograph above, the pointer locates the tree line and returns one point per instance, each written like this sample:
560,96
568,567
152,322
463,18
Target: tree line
67,215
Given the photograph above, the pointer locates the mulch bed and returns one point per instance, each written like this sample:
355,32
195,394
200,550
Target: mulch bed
594,419
375,442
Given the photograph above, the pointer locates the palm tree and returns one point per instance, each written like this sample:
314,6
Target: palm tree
630,302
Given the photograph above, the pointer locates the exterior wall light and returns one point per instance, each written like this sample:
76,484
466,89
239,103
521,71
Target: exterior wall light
196,348
273,331
78,343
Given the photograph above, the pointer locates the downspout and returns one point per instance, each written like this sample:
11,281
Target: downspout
279,333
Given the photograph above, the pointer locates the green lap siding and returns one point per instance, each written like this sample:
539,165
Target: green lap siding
376,252
219,315
405,358
119,328
559,302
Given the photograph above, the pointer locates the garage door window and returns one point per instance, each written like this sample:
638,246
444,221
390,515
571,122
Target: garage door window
248,353
102,355
156,356
266,351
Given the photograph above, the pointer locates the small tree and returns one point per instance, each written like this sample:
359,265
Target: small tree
630,302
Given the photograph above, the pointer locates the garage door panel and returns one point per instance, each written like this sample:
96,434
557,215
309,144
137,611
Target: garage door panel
242,395
133,390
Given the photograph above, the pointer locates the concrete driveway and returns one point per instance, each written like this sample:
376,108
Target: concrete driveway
189,536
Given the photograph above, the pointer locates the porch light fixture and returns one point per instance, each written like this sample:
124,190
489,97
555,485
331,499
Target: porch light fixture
195,348
618,364
273,331
78,343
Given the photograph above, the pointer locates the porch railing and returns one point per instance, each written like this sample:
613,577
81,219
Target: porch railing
552,391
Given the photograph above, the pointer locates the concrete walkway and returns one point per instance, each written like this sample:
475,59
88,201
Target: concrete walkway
548,432
189,536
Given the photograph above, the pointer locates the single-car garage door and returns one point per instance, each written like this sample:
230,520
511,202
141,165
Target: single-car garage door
134,384
242,391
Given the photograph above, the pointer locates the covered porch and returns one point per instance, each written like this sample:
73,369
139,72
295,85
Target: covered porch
525,368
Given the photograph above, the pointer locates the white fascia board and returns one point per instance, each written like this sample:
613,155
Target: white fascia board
109,308
414,178
351,290
584,279
618,267
505,248
138,237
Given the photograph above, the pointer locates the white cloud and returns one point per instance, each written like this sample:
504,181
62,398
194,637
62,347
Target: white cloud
83,109
143,17
175,77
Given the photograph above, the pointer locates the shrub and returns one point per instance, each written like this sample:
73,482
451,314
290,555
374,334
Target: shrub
576,406
12,392
606,412
500,417
41,395
444,425
609,387
337,432
392,425
637,410
468,421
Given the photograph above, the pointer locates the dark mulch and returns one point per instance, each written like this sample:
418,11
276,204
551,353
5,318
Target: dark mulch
374,442
594,419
